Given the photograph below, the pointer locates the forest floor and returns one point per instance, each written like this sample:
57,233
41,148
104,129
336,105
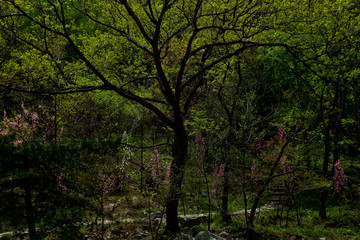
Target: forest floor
134,224
131,218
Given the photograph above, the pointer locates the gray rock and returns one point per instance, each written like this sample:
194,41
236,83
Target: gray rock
155,215
182,236
206,235
224,235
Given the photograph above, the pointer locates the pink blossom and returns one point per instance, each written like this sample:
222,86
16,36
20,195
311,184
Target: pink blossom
35,117
23,107
4,131
106,184
13,124
218,173
219,170
17,143
60,181
281,135
26,112
340,180
258,145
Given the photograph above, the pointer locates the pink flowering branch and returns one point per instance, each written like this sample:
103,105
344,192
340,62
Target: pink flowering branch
25,126
167,178
218,173
269,152
60,181
106,184
339,177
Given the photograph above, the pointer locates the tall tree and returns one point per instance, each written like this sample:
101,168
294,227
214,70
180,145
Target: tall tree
155,53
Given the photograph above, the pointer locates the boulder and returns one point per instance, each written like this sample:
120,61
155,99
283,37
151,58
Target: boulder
182,236
155,215
206,235
224,235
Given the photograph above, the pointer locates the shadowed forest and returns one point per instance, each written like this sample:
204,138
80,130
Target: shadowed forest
179,119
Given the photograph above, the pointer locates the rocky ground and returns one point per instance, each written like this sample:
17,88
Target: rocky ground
131,221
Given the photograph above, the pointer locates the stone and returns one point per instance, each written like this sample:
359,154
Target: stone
224,235
155,215
182,236
206,235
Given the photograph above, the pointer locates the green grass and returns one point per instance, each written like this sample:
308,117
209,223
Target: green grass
342,223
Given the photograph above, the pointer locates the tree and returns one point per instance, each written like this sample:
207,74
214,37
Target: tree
156,54
326,43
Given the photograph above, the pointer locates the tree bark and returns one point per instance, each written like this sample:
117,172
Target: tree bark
180,146
29,212
225,195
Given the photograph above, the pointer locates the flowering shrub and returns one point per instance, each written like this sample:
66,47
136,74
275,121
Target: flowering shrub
218,173
106,184
268,152
25,126
60,181
157,175
340,180
22,126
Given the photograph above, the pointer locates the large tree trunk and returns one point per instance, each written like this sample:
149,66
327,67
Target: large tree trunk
225,194
28,201
250,230
180,146
29,212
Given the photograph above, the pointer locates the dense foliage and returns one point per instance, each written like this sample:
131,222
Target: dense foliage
174,106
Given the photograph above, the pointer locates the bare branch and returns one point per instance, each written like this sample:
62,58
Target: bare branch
137,20
58,92
120,31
